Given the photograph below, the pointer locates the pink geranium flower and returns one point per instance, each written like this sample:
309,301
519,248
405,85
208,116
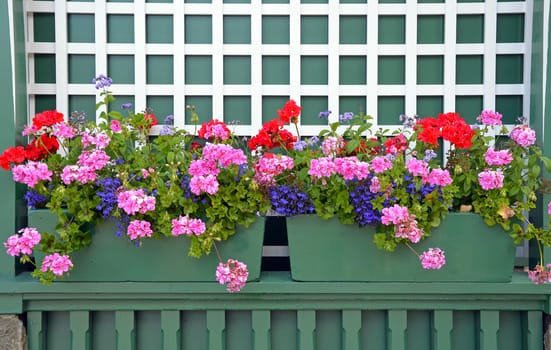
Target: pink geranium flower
234,273
433,259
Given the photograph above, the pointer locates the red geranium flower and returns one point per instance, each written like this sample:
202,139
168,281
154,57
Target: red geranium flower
47,118
455,130
12,155
289,112
397,144
214,130
430,130
41,147
151,118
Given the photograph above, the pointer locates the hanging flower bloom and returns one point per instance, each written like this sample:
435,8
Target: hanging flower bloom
233,273
56,263
139,229
433,259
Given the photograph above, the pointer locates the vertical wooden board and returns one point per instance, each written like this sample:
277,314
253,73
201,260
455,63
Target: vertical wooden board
510,334
216,326
397,328
489,326
80,329
374,329
306,325
124,326
533,330
351,325
103,335
170,329
284,330
194,330
443,325
328,329
239,330
465,330
7,139
419,331
260,320
58,334
35,330
148,330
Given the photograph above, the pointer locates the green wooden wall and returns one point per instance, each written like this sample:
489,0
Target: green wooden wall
275,313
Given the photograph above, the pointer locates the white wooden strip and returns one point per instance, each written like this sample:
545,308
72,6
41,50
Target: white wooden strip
159,9
61,59
449,60
372,59
490,29
217,58
256,69
528,23
294,49
179,111
100,23
333,57
140,73
411,59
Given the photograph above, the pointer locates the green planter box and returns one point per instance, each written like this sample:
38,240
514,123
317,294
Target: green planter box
322,250
113,259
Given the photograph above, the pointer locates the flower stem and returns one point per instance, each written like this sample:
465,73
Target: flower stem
411,248
540,252
217,251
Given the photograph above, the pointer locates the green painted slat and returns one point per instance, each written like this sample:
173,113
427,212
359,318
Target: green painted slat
170,327
261,329
443,325
124,325
533,330
216,324
7,139
351,324
35,330
306,324
397,326
489,326
80,329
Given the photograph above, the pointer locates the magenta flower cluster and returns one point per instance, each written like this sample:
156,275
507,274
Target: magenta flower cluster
489,117
56,263
433,259
234,273
185,225
269,166
491,179
523,135
405,225
204,171
135,201
499,158
85,170
24,243
139,229
31,173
